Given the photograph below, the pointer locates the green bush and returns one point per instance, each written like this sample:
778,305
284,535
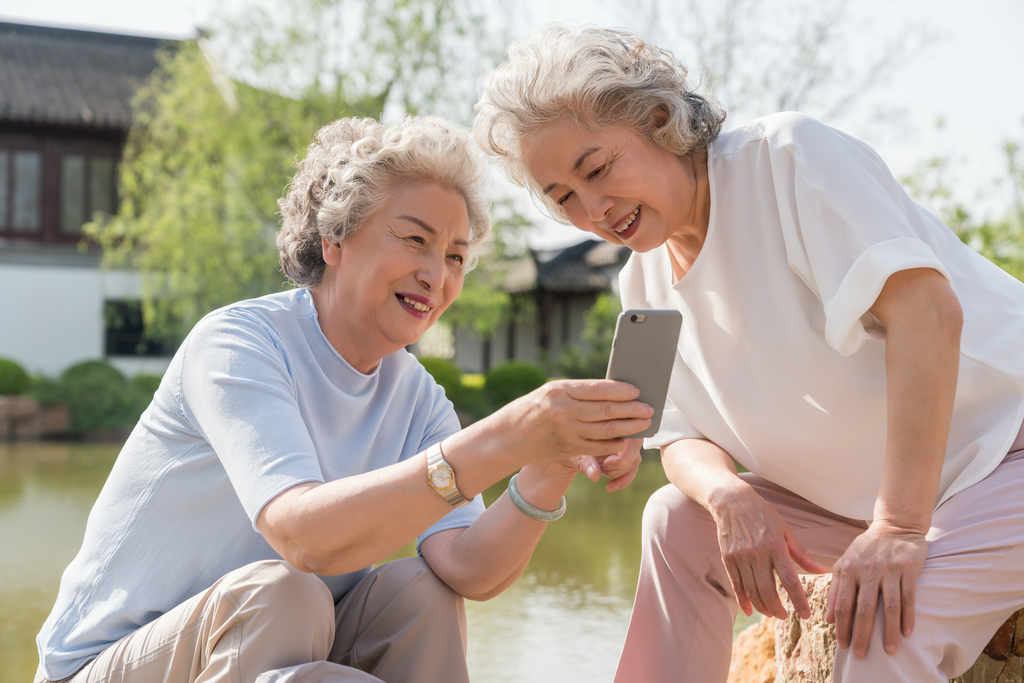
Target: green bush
445,373
96,395
13,378
44,390
140,394
512,379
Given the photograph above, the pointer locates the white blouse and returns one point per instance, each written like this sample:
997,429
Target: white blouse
779,361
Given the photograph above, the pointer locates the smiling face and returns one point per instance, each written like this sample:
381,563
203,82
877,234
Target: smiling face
614,183
388,282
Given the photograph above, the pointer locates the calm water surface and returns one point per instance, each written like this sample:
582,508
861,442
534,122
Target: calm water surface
564,620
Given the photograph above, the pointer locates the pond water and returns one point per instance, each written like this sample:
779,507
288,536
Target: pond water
564,620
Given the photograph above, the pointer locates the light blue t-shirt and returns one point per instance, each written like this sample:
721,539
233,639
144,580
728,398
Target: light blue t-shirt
255,401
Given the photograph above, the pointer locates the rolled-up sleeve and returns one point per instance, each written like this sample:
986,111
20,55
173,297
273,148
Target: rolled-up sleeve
846,226
673,428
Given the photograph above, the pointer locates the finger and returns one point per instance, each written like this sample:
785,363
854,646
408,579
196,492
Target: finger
864,618
766,590
891,604
598,389
622,482
612,429
749,582
908,591
602,411
789,577
830,600
588,465
623,461
801,556
737,588
846,596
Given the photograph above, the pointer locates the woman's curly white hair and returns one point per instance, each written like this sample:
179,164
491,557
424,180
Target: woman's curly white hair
597,77
348,173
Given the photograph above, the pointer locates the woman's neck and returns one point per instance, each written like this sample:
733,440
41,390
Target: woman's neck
686,242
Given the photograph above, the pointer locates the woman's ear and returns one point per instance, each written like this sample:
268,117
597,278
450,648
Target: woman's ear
331,251
660,116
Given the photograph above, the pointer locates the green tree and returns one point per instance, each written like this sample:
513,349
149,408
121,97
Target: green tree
1000,240
208,156
591,359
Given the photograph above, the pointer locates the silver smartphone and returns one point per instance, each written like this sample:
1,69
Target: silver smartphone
643,351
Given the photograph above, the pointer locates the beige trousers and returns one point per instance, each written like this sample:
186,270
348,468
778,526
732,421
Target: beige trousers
973,579
271,623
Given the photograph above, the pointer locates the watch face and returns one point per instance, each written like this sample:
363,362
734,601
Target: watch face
441,476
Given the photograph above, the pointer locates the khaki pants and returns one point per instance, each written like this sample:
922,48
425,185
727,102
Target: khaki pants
973,579
270,622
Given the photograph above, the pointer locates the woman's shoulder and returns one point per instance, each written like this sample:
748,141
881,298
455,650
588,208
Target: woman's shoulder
789,129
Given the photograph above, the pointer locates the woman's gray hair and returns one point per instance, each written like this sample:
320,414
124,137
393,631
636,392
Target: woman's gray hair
597,77
348,173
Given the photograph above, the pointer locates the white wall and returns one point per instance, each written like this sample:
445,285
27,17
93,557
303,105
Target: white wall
51,317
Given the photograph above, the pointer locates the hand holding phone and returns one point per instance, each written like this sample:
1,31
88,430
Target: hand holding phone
643,350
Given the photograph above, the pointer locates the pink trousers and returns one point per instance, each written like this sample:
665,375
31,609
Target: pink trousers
973,580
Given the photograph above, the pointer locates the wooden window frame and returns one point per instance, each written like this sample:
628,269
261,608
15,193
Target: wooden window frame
54,144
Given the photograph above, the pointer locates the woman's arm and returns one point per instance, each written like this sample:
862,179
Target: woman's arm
923,321
350,523
483,560
756,543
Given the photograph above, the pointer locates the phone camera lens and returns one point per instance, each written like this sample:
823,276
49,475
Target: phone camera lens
632,318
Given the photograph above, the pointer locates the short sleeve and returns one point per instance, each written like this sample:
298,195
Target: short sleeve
237,393
673,428
845,223
441,428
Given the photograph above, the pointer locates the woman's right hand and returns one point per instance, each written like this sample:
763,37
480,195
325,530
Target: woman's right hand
756,545
568,418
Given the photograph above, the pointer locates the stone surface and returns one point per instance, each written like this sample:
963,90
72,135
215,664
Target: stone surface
804,650
753,654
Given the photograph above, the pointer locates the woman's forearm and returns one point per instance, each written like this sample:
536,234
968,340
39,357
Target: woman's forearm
486,558
923,322
702,470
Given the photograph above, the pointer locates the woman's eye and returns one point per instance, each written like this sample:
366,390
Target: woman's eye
564,198
417,239
457,258
596,172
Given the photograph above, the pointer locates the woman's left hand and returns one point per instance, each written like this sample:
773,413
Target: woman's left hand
885,560
620,467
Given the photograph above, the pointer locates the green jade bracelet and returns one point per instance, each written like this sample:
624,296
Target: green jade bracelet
531,511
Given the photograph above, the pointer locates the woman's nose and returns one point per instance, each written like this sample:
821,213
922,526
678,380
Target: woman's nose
597,206
431,272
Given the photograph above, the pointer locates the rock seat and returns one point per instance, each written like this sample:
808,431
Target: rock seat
797,651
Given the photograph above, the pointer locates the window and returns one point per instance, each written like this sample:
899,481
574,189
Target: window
77,206
28,191
125,333
51,183
3,188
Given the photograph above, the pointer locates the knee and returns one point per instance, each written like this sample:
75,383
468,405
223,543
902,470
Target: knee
271,589
671,515
422,592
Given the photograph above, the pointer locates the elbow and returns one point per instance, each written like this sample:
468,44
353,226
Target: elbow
949,316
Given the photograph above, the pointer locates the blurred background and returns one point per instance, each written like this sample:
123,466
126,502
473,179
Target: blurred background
143,147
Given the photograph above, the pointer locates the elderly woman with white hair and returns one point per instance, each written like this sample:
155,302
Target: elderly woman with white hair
293,443
838,341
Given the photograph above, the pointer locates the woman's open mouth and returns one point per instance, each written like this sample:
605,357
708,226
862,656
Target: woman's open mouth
417,308
630,226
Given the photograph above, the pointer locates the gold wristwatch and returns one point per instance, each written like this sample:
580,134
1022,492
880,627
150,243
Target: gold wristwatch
441,477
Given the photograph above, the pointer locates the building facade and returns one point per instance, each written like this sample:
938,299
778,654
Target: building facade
65,110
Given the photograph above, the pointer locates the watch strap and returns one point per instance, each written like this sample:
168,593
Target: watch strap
451,493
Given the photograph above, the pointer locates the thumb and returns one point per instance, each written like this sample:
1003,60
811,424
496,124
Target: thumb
589,466
801,556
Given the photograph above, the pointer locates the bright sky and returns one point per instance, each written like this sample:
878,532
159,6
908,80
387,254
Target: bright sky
971,77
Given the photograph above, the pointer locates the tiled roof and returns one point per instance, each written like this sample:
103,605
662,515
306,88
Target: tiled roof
65,76
584,267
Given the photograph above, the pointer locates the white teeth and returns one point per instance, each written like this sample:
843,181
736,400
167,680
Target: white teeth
629,221
423,308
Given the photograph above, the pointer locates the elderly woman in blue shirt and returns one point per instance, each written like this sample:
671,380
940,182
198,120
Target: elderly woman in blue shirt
293,443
